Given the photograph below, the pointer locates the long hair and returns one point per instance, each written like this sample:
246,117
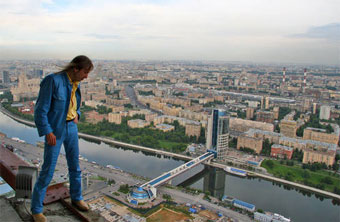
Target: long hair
79,62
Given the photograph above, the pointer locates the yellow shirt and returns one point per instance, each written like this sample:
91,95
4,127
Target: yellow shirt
72,109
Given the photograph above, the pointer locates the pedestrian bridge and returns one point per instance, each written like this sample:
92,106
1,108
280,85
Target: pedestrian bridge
148,191
165,177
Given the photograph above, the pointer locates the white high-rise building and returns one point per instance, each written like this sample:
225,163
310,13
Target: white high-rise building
325,112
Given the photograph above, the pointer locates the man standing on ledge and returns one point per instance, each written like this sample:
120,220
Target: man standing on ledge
56,116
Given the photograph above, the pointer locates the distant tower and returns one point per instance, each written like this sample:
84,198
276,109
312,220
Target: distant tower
314,108
304,80
262,102
267,103
284,77
5,77
276,111
218,133
325,112
250,113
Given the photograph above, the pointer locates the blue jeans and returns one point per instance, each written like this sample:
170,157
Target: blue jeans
70,140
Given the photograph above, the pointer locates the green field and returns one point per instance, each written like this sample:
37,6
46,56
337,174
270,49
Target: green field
172,146
322,179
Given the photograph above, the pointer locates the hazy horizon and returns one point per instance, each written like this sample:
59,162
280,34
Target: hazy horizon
246,31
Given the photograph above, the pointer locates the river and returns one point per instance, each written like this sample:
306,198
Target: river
299,206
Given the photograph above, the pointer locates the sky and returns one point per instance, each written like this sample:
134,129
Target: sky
260,31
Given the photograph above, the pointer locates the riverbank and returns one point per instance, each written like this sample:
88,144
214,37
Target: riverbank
183,157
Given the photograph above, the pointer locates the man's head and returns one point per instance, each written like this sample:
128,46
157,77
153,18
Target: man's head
79,68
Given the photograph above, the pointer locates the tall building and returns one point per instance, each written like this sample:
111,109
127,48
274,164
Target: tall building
115,118
304,80
321,135
249,113
284,78
5,77
276,111
26,88
288,128
265,116
325,112
315,108
37,73
267,103
218,133
193,129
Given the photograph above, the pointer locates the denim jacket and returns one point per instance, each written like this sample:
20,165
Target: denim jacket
52,104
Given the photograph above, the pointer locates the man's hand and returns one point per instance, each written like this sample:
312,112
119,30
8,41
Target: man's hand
76,120
51,139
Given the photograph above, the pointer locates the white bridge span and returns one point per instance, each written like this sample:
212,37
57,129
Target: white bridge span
177,171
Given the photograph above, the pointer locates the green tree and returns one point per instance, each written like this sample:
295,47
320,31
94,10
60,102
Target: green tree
124,188
266,148
306,174
270,164
103,109
7,95
201,138
283,111
327,180
232,142
167,197
241,114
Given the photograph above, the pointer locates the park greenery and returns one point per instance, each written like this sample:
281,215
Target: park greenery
103,109
167,197
314,122
174,141
232,142
297,155
97,177
266,148
247,150
7,95
113,93
297,115
213,104
241,114
124,188
146,93
318,177
178,94
283,111
15,111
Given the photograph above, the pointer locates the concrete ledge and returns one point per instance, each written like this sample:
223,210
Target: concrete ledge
7,212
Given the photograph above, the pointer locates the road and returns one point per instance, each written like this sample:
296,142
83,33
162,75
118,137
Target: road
181,197
130,92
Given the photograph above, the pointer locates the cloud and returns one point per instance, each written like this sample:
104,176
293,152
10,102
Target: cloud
328,32
103,36
173,29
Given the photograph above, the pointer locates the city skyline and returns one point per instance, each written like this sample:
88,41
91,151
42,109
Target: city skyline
255,31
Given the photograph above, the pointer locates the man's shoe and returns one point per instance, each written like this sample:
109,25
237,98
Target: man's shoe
81,205
39,217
